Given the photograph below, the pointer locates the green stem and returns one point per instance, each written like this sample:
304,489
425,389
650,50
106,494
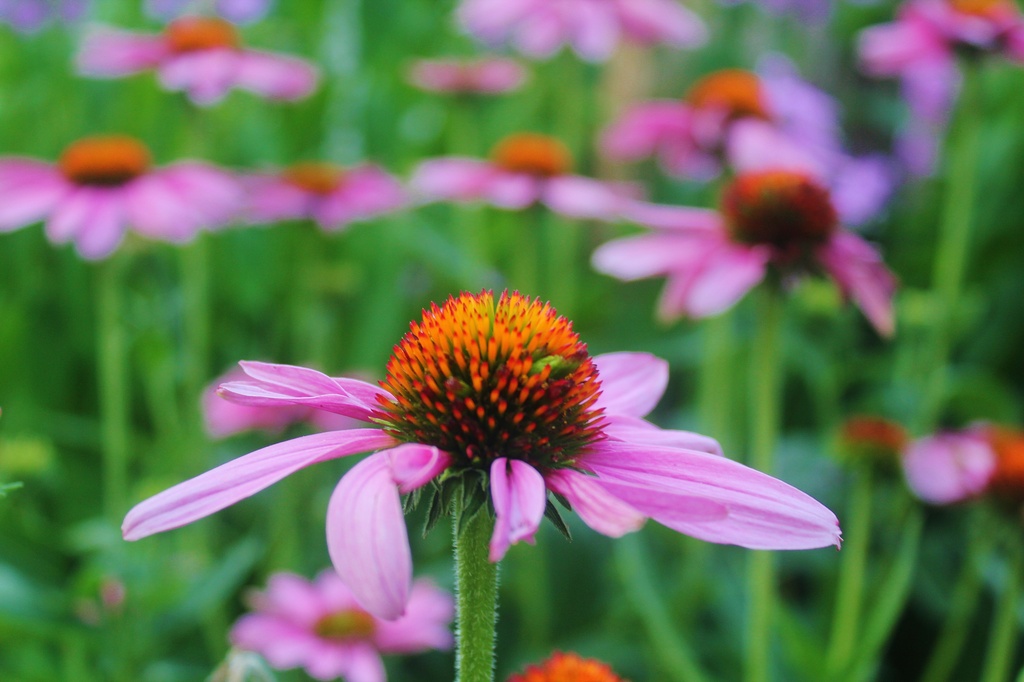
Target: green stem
673,652
962,606
954,236
113,388
476,596
766,361
716,379
1005,624
195,292
846,619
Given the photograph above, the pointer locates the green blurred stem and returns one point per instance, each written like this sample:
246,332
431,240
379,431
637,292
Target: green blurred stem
195,293
765,364
846,619
960,189
112,363
962,606
673,652
1005,624
716,379
476,598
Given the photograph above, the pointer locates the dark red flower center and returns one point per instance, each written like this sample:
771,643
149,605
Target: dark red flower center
345,625
568,667
314,176
482,379
779,208
532,153
737,92
106,161
192,34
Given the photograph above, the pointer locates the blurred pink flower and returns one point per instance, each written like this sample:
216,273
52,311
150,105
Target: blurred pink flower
102,185
236,11
329,194
202,56
524,169
489,76
225,418
778,220
319,626
950,466
517,401
592,28
921,48
27,16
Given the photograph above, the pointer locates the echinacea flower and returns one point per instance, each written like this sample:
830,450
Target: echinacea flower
103,185
592,28
500,392
489,76
318,625
224,418
235,11
567,667
201,56
777,221
27,16
329,194
524,169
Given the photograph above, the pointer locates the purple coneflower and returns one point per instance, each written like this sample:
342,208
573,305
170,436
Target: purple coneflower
488,76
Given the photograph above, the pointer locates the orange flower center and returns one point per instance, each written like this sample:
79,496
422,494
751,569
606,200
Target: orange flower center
736,91
107,160
873,437
315,177
533,154
780,208
192,34
344,625
481,379
1008,477
985,9
568,668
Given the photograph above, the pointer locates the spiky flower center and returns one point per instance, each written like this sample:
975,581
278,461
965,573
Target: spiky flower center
985,9
784,209
533,154
314,176
739,93
1008,477
482,379
568,667
105,161
193,34
345,625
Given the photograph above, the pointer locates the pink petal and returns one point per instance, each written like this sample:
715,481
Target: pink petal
723,274
753,145
110,53
681,218
452,178
366,192
650,21
949,467
281,642
888,49
271,199
276,76
424,625
206,75
367,540
413,465
519,496
596,32
712,498
598,508
30,195
363,664
513,191
159,210
647,255
861,274
215,196
541,33
91,217
631,383
645,128
640,432
579,197
238,479
292,597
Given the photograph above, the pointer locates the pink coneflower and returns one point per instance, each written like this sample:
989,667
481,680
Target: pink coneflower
524,169
201,56
570,667
770,221
489,76
319,626
501,391
592,28
102,185
329,194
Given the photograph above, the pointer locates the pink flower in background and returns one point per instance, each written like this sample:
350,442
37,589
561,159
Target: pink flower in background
201,56
225,418
592,28
524,169
779,220
236,11
319,626
27,16
329,194
489,76
501,391
949,467
103,185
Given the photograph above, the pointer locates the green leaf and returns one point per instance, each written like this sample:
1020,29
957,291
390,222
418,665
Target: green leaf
551,512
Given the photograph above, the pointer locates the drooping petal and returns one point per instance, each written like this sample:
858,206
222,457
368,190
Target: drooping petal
276,76
595,30
717,280
519,496
271,199
413,465
949,467
712,498
648,255
111,53
631,383
238,479
513,191
644,129
367,539
702,221
579,197
205,75
598,508
92,218
365,192
453,178
651,21
861,275
28,192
